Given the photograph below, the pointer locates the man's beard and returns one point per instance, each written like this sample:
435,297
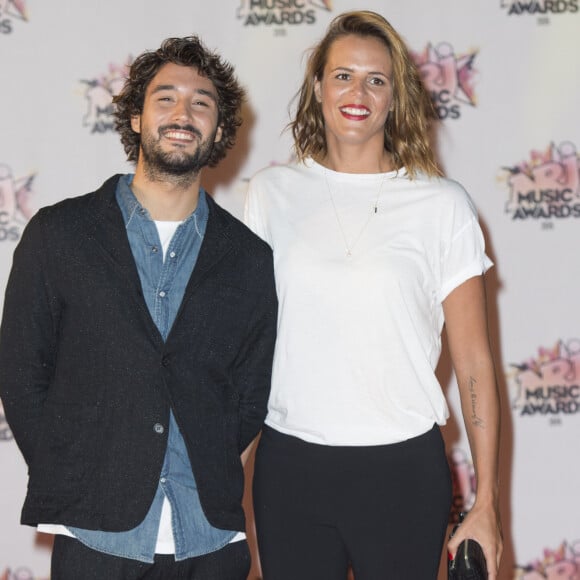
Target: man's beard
176,163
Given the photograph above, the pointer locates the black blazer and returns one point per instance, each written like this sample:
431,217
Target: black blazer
87,381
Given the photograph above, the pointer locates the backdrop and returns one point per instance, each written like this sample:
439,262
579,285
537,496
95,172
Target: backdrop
505,77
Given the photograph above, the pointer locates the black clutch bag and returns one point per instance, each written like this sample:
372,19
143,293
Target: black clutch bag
469,562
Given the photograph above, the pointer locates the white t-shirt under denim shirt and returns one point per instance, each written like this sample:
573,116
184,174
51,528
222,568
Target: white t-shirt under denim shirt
359,337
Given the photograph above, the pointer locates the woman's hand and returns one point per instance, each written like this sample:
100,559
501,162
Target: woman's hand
483,525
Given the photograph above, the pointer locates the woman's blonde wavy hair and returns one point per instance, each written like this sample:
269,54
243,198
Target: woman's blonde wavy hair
408,124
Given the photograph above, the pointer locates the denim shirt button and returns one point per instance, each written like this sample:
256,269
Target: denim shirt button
159,428
154,249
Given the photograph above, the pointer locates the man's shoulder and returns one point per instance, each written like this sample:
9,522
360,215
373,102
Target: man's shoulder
81,203
238,232
72,215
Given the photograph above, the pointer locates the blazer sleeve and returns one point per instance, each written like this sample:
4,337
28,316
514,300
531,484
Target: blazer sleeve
253,370
27,337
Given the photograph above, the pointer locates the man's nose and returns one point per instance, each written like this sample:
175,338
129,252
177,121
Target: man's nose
182,110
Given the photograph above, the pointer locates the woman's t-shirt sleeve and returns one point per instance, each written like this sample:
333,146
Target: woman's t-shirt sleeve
463,254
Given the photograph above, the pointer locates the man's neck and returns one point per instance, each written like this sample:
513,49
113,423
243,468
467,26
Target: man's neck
166,200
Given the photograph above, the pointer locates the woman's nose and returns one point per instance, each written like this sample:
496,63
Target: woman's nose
358,87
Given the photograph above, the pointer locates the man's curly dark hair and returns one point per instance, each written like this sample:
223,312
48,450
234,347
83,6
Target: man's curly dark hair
188,51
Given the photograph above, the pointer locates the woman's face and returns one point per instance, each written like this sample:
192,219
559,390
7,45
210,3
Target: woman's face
356,91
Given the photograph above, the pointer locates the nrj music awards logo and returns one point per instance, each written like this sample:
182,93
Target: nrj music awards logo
540,7
280,12
548,385
560,564
547,186
99,93
11,10
448,77
15,206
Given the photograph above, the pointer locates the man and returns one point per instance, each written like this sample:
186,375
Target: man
136,343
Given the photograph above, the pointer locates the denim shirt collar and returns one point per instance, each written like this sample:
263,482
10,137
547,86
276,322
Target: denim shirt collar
130,205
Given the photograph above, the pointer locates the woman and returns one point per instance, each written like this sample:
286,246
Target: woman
374,251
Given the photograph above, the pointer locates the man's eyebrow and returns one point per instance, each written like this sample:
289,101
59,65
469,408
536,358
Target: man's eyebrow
204,92
159,88
207,93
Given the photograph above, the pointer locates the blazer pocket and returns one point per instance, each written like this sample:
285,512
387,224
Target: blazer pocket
68,446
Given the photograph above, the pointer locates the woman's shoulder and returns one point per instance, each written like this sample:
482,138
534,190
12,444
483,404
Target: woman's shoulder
444,190
280,176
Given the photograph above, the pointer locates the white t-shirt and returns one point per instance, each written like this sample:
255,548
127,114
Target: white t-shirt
359,337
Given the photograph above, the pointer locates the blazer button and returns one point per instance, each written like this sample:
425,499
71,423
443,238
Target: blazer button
165,361
158,428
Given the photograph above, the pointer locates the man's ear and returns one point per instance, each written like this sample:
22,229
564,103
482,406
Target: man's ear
136,123
218,134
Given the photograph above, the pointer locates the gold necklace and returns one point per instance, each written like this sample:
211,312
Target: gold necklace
374,208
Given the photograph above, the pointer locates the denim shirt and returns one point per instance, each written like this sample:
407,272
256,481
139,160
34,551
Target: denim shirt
163,284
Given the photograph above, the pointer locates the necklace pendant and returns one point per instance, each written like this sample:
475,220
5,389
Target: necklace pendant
374,210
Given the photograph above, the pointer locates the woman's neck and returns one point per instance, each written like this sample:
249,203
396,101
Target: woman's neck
357,160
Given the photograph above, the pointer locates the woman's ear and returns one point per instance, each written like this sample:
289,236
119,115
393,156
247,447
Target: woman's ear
317,91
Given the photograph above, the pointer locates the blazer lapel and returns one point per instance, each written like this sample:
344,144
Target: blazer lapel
215,246
110,236
108,231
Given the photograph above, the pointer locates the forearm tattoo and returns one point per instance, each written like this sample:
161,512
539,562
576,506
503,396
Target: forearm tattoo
475,419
